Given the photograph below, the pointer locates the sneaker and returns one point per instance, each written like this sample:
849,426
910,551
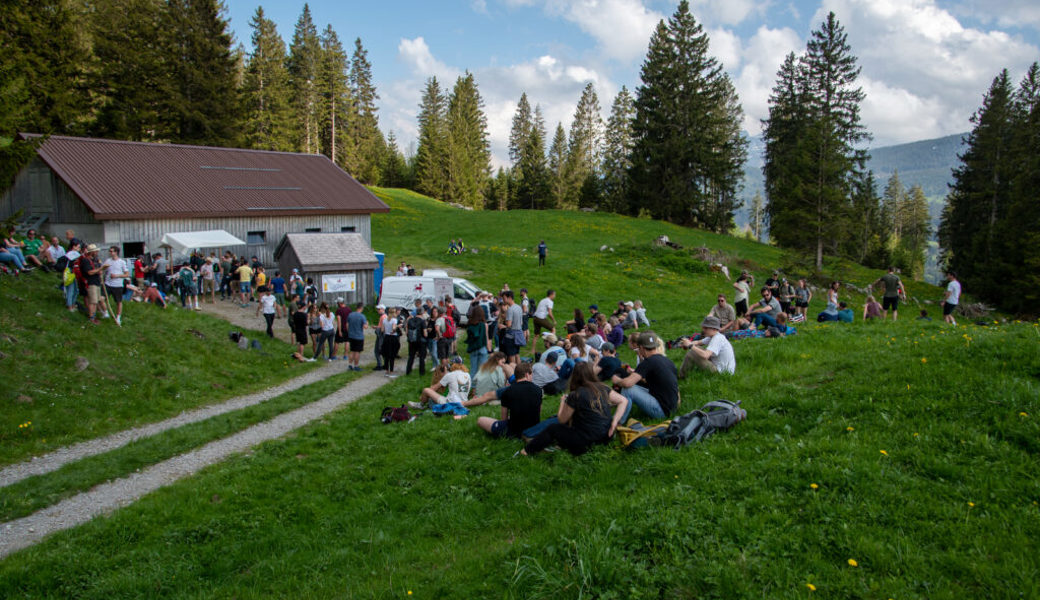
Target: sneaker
104,315
119,320
392,375
309,360
416,405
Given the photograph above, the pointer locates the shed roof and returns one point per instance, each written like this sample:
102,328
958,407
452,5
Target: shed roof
141,180
327,251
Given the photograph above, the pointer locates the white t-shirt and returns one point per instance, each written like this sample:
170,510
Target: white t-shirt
544,306
954,287
595,341
722,354
458,383
115,266
267,304
328,323
742,291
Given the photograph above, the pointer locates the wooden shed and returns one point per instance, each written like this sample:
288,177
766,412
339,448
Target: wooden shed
132,193
341,264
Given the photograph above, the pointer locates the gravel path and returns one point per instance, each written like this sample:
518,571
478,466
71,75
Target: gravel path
79,509
46,463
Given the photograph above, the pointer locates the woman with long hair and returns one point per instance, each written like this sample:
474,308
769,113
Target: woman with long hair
327,334
584,416
478,342
577,323
491,375
391,329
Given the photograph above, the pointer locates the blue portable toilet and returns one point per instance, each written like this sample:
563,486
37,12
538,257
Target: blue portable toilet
377,279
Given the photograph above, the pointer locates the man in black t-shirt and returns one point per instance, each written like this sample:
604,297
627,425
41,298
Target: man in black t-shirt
521,406
660,397
608,363
893,291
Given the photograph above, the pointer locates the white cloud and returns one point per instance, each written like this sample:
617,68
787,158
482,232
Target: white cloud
726,47
1006,13
728,12
621,27
416,54
920,60
762,56
479,6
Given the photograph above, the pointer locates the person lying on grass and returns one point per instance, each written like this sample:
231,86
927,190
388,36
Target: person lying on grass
521,406
660,397
456,382
584,418
712,353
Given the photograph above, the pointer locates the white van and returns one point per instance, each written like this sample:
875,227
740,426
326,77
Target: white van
403,291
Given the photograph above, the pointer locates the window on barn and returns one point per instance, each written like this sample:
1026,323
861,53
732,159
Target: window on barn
256,238
348,229
312,230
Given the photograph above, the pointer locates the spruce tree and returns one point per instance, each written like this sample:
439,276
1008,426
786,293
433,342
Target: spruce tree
617,150
532,187
202,105
1019,232
916,231
265,90
558,168
367,144
304,58
523,122
584,147
469,153
395,172
685,153
335,100
431,155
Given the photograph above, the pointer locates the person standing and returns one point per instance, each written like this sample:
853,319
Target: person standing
160,267
802,295
416,331
208,277
189,286
380,319
740,301
245,283
278,287
543,315
115,274
951,298
267,306
356,326
477,342
513,339
92,272
543,250
893,291
391,340
342,315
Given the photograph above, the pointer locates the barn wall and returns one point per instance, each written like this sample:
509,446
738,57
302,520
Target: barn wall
38,191
151,231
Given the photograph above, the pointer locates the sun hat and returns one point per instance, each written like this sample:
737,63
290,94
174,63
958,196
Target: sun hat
91,248
711,322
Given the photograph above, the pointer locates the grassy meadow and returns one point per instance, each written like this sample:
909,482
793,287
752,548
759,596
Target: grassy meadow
879,460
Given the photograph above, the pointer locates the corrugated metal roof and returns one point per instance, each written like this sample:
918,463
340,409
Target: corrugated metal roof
330,250
141,180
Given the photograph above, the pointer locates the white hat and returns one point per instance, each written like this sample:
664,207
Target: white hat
380,307
340,301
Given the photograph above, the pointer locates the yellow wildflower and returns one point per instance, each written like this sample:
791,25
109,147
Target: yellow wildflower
814,486
885,453
853,563
924,360
812,588
850,428
1023,414
971,505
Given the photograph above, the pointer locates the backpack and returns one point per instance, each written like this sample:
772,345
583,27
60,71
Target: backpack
68,277
636,435
415,326
696,425
449,327
391,414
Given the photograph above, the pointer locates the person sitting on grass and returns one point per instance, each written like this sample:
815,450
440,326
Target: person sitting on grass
592,337
725,313
584,418
491,375
766,310
842,313
640,311
521,405
457,383
924,316
153,295
608,364
615,333
660,397
577,323
712,353
546,374
871,309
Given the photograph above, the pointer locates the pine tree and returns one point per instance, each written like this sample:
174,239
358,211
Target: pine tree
980,195
1019,232
523,122
617,151
304,58
867,232
394,170
367,147
685,153
916,230
584,146
469,153
202,104
892,204
558,168
532,187
265,92
334,97
812,139
431,155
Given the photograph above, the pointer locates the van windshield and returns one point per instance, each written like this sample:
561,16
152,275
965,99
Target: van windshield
461,293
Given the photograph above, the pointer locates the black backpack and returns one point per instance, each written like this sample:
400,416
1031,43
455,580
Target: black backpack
698,424
415,326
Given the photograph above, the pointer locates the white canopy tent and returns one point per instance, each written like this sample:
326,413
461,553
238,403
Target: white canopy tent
193,240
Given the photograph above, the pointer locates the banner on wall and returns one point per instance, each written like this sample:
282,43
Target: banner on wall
332,284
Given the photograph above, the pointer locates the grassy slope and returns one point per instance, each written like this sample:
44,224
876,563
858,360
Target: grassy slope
351,508
152,368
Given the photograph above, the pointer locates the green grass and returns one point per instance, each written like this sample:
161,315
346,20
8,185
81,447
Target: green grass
152,368
37,492
348,507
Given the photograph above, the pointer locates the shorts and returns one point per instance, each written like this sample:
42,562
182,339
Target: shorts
948,308
207,285
301,336
801,303
500,428
115,293
357,345
890,303
540,324
190,290
245,287
93,294
741,307
340,339
508,345
279,298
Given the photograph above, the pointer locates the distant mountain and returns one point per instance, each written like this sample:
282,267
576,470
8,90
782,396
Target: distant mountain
927,163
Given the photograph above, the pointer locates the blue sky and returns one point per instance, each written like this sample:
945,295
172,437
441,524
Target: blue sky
926,63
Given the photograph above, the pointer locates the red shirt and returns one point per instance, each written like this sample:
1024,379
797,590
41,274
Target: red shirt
138,269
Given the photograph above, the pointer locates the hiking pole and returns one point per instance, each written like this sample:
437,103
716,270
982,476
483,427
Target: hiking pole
108,307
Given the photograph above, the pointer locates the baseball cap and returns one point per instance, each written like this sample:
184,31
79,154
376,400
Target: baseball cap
380,307
549,337
630,304
606,347
594,307
457,360
647,339
155,285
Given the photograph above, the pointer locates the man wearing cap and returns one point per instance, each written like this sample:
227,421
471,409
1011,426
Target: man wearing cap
631,316
660,397
713,352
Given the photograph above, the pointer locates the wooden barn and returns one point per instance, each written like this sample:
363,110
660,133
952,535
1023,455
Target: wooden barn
132,193
341,264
